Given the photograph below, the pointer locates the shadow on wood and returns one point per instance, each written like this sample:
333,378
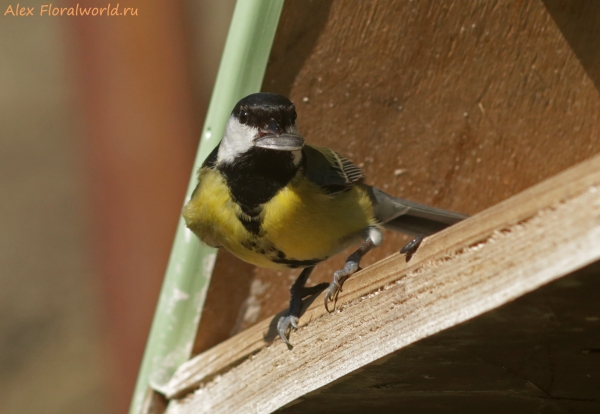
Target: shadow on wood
299,28
578,22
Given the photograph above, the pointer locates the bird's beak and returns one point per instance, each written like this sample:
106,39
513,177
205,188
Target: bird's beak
272,138
283,142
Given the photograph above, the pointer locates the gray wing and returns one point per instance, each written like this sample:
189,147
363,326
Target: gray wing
331,171
410,217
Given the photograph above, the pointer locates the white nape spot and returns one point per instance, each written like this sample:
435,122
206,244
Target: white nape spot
236,140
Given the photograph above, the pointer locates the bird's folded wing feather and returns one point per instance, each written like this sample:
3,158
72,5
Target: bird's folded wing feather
331,171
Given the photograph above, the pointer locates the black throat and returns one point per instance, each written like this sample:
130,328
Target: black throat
257,175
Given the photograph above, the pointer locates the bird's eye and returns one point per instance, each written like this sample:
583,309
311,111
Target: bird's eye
243,117
294,116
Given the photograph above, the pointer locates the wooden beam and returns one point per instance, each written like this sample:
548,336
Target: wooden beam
477,265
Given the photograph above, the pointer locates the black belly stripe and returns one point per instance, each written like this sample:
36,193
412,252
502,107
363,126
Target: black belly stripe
260,246
252,224
252,211
249,244
251,218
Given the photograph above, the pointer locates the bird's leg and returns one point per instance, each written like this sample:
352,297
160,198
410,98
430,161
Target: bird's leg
298,292
373,238
411,247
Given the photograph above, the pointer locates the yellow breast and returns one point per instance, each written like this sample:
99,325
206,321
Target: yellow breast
300,221
305,223
213,216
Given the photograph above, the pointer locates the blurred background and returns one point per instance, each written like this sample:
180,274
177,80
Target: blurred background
100,119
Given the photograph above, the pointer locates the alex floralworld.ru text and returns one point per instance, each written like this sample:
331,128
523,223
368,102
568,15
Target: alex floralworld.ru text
50,10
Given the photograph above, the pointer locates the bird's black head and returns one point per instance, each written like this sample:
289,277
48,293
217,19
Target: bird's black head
261,121
266,111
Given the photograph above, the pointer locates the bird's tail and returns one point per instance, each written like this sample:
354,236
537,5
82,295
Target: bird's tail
409,217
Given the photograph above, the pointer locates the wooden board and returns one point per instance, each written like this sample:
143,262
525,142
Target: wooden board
451,103
481,263
538,354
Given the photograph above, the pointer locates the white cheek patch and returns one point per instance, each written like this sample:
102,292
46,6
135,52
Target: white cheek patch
236,140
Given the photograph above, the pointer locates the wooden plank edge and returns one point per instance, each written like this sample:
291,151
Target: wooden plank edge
465,235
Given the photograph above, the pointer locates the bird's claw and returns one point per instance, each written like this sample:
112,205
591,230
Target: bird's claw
331,296
284,324
411,247
339,277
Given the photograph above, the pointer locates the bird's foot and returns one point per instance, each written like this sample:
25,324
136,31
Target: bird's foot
411,247
290,320
339,277
284,324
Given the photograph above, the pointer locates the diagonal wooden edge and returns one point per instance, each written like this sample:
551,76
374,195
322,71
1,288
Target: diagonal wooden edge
481,263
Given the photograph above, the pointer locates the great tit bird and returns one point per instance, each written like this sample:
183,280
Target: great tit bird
275,202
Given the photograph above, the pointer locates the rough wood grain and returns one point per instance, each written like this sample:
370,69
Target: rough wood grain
537,354
504,252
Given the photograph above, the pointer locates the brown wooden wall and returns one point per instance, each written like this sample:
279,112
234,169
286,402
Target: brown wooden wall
457,104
